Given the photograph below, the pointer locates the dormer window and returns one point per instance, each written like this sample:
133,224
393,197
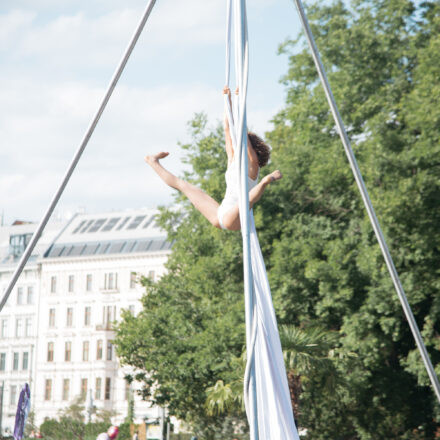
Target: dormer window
18,244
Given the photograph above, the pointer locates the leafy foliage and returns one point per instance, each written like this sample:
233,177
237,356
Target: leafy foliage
191,324
221,397
71,425
325,267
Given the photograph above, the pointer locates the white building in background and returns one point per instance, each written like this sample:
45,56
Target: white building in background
19,318
82,281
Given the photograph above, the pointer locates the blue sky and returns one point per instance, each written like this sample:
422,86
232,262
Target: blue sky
56,59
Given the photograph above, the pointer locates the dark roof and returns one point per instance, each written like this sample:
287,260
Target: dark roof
85,249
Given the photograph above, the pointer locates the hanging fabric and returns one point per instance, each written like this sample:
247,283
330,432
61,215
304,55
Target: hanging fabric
274,415
23,408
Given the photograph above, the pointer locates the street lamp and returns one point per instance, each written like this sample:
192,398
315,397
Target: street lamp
90,407
1,406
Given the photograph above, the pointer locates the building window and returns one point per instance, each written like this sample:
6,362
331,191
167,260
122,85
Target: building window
66,389
87,315
51,317
109,351
53,284
89,282
50,352
68,351
18,327
111,281
20,295
71,283
15,361
133,278
99,350
151,275
86,351
13,400
18,244
28,327
4,328
109,312
25,362
48,389
108,383
69,317
131,309
83,388
30,294
98,388
2,361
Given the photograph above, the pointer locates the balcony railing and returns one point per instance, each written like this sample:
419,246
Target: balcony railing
109,290
108,326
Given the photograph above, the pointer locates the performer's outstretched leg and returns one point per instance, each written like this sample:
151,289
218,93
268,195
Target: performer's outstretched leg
201,201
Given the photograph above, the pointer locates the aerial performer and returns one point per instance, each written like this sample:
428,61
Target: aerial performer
225,215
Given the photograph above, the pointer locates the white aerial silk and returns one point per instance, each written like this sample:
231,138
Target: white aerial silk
275,415
274,408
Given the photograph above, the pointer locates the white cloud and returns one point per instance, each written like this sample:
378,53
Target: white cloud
189,22
72,39
11,24
41,134
54,73
51,114
10,182
75,38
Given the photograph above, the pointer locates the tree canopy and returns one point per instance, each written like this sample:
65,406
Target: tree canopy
325,266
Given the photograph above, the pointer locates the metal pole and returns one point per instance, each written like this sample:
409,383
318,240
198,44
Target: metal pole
168,430
367,202
1,407
89,405
30,367
162,423
27,253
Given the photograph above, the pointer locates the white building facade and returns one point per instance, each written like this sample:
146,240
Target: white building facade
82,281
19,318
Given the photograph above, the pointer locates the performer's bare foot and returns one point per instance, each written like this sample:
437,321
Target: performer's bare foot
272,177
155,157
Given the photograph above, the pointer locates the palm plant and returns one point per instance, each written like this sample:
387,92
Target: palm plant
224,397
308,352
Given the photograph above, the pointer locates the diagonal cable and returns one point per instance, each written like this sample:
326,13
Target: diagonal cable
367,202
37,234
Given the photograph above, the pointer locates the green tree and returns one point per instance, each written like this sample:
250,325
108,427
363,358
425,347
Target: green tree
64,428
70,424
311,361
191,327
324,264
124,431
130,408
327,269
30,427
310,356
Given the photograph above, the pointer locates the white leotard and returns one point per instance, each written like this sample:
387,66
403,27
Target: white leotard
230,199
